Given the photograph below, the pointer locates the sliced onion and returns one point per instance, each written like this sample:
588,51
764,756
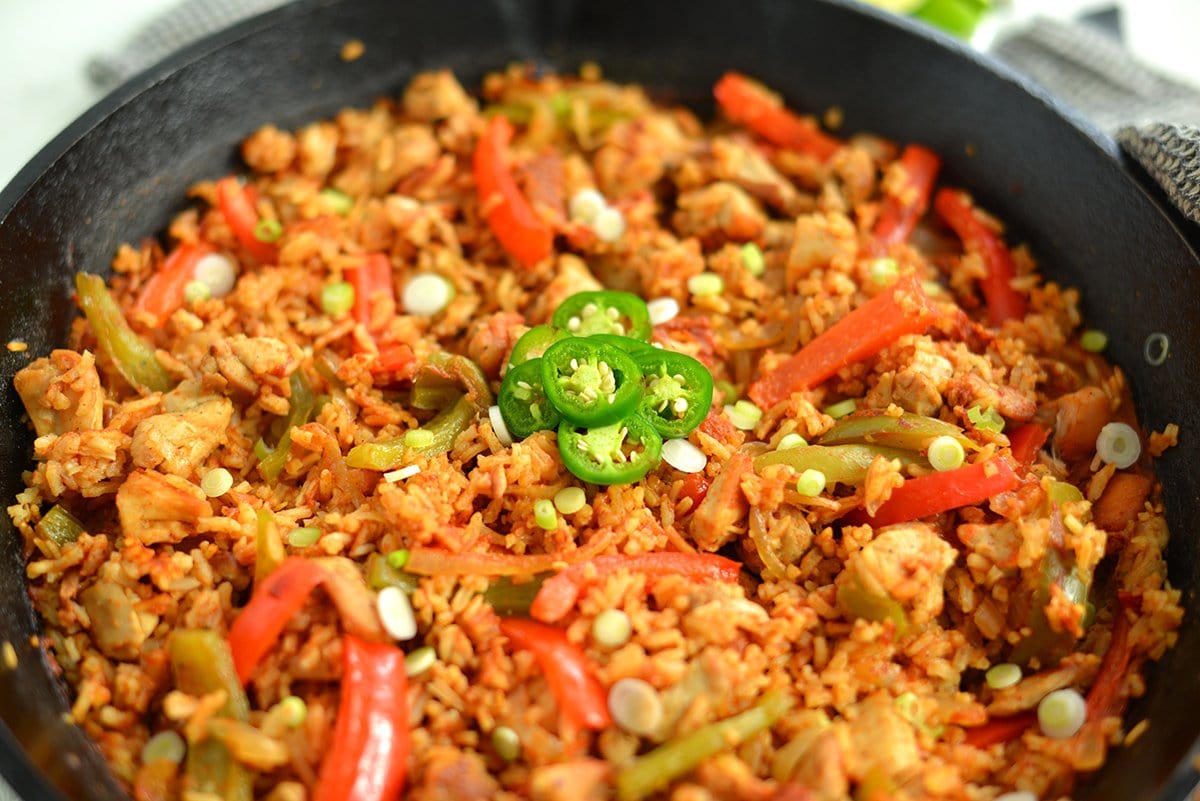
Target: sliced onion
499,426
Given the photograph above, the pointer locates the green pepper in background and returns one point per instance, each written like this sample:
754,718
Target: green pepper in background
303,405
677,391
451,369
200,664
1043,643
509,597
604,312
598,454
590,383
129,353
523,402
534,342
59,526
268,547
959,17
840,464
651,772
859,602
912,432
436,436
380,574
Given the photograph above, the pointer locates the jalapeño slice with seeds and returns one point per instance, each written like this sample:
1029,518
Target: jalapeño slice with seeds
590,383
523,403
604,312
677,391
534,342
620,453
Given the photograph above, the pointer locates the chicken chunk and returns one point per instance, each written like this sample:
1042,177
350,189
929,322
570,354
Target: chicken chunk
492,339
906,563
62,393
822,768
178,443
88,462
436,95
743,165
269,149
819,239
882,738
973,390
571,275
255,366
581,780
454,775
117,628
719,213
155,508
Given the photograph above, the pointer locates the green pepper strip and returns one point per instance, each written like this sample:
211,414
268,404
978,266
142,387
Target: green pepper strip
858,601
1043,643
634,347
303,404
510,597
380,574
590,383
59,526
129,353
650,773
450,369
678,391
201,663
523,402
604,312
598,455
841,464
534,342
268,547
910,432
389,454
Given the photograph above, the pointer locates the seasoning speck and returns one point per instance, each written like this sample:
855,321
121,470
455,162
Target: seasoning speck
353,50
17,346
10,655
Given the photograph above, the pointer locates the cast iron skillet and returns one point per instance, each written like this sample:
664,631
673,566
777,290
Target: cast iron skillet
121,171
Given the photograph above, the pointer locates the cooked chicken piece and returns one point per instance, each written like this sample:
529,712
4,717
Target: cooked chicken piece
454,775
1076,670
269,149
88,462
155,508
117,628
581,780
178,443
348,590
972,390
434,96
856,169
1123,500
571,275
741,164
882,738
256,366
1081,415
318,148
907,563
730,779
719,213
492,339
819,239
822,767
723,507
637,154
62,393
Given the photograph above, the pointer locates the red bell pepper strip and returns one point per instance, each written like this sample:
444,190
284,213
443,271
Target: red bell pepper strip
1003,302
370,278
368,755
581,700
1026,441
1104,697
525,236
862,333
397,358
237,206
941,492
163,293
273,604
1000,730
560,592
907,203
749,103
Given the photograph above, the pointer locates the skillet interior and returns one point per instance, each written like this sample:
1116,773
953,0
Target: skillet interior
121,171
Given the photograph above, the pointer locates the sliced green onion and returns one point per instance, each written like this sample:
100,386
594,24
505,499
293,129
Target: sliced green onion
401,473
304,537
611,628
196,291
294,711
931,287
216,482
1063,492
946,453
544,514
1118,444
398,559
662,310
166,746
396,613
883,271
706,284
337,298
419,661
744,415
1093,340
507,743
261,449
586,204
789,441
811,483
609,224
752,259
1156,349
727,389
985,419
216,272
268,230
1006,674
841,408
427,294
635,706
1061,714
418,439
570,500
338,201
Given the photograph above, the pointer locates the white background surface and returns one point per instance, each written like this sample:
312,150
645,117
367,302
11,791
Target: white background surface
45,46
